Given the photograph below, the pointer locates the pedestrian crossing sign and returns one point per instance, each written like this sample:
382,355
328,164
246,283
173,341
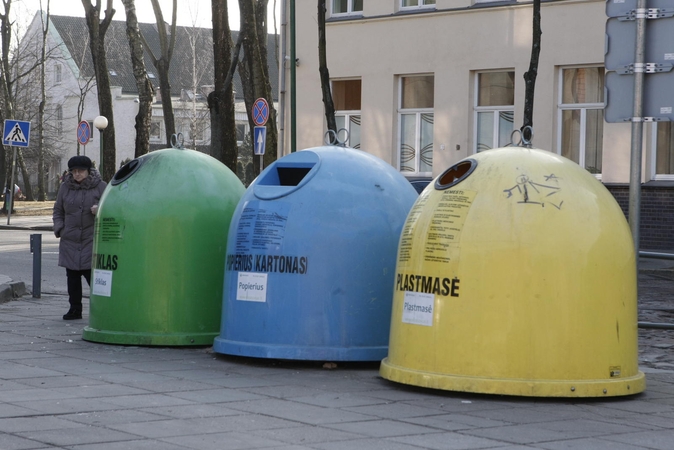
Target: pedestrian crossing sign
16,133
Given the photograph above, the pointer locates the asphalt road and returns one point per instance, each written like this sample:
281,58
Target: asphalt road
16,260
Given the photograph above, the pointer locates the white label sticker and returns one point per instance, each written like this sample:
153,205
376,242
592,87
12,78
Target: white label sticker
102,283
665,110
669,56
418,308
252,287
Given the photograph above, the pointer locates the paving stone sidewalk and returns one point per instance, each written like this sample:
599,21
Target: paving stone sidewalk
58,391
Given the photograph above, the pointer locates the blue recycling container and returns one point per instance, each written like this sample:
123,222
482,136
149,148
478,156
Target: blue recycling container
311,256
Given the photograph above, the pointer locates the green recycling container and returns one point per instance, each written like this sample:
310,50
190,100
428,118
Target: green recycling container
159,250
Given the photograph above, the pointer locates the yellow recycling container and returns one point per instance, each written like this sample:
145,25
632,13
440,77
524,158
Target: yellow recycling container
516,275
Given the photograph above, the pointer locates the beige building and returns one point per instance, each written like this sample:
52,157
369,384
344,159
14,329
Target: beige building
425,83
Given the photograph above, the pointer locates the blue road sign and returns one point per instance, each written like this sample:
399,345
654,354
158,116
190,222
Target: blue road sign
260,135
16,133
260,112
83,132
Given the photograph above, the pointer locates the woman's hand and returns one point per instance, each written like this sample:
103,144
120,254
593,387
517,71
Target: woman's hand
94,209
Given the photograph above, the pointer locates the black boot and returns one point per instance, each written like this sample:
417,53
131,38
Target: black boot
72,314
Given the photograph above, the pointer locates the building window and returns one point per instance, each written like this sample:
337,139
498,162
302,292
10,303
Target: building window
241,132
155,130
664,151
412,4
346,7
581,117
346,97
494,109
415,122
58,73
59,120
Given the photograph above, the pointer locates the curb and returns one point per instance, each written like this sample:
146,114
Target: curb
36,228
11,291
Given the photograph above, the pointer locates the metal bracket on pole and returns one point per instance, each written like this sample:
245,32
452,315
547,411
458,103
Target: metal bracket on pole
644,68
647,13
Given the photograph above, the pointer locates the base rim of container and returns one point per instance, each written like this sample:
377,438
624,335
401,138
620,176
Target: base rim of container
275,351
147,339
611,387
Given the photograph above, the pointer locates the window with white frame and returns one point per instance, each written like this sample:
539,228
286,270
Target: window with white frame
412,4
664,151
415,124
494,109
581,116
155,130
346,97
92,128
346,7
58,73
241,133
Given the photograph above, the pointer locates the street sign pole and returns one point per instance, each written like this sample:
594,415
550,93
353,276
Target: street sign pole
17,134
10,204
634,212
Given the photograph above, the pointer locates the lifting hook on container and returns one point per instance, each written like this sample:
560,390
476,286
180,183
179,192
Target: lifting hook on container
523,141
178,141
332,137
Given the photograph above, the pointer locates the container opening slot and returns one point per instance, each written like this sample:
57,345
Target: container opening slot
455,174
126,171
291,176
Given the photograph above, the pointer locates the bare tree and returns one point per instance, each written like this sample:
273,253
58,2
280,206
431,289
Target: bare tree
41,177
194,114
328,104
97,29
5,81
254,72
530,75
13,70
221,100
145,89
167,40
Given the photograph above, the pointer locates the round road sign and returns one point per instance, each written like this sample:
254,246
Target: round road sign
260,112
83,132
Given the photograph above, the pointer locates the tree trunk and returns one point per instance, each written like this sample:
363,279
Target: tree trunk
145,89
253,19
325,73
97,29
41,176
163,62
8,106
221,100
530,75
27,188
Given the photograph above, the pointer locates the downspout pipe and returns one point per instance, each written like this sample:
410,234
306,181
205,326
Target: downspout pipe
293,81
282,80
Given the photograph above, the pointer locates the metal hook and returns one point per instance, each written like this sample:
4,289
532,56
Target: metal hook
523,142
178,141
332,137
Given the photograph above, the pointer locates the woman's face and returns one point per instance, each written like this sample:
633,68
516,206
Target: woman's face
79,174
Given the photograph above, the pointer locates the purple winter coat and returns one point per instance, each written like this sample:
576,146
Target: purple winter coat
73,220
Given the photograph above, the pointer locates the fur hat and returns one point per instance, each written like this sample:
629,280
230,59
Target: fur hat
79,162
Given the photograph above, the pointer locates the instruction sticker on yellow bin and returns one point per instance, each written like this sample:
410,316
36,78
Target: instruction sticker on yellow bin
418,308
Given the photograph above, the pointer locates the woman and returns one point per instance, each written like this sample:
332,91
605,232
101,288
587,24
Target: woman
74,211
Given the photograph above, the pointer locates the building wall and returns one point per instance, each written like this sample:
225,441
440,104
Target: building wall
452,45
